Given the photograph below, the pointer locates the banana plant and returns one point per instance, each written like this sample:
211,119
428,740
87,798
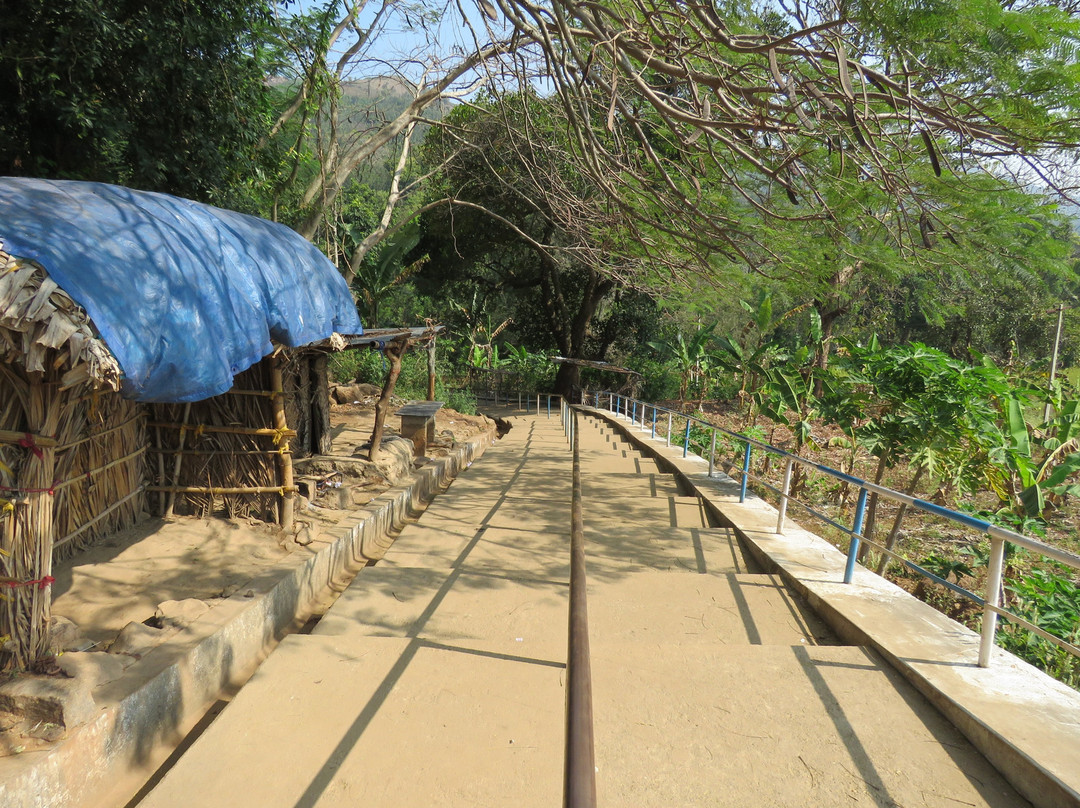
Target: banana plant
1041,471
691,356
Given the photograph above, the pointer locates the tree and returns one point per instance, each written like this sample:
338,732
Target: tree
719,111
347,41
167,95
510,212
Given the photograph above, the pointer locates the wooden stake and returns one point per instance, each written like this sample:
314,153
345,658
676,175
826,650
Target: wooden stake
393,352
431,369
285,466
177,463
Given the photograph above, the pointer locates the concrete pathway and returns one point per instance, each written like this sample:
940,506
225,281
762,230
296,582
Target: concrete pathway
437,677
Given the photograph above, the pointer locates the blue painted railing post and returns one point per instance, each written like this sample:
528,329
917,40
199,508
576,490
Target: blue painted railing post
856,533
745,473
686,440
549,405
653,435
633,417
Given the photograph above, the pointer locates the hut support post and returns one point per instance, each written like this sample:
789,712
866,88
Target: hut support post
393,352
177,463
320,395
285,465
431,369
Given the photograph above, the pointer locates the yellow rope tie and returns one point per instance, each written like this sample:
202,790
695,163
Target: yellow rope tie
199,432
281,437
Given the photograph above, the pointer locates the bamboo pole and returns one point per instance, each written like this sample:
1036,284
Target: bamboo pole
431,369
87,474
285,465
8,436
161,471
215,452
171,504
212,491
226,430
108,511
66,446
36,549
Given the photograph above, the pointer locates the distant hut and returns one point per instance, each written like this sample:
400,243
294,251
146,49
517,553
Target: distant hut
155,354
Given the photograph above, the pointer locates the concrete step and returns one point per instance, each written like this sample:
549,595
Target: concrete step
673,549
387,722
520,552
649,608
494,611
652,485
691,724
634,509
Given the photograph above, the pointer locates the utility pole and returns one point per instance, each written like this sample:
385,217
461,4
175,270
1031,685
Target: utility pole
1054,358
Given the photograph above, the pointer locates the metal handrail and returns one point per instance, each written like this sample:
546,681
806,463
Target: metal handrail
990,602
579,770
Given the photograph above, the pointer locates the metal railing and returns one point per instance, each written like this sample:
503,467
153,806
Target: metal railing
579,770
529,402
646,416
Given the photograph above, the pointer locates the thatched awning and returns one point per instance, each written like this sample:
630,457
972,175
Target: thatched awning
589,363
36,315
184,295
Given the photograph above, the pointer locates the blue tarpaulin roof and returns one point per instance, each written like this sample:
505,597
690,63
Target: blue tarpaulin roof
185,295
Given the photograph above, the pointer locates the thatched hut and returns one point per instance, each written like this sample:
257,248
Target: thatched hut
153,356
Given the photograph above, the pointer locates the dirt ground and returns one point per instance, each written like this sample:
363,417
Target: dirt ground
132,591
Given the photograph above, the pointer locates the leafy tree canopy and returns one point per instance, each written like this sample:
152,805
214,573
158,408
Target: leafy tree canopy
167,95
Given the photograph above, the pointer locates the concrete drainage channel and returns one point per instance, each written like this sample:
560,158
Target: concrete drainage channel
139,730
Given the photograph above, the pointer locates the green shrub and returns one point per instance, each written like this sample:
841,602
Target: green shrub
461,400
1051,602
360,365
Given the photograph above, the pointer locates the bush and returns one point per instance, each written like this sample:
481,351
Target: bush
360,365
1051,602
461,400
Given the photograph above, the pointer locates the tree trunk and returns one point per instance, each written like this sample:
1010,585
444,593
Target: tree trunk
393,352
871,510
890,542
567,379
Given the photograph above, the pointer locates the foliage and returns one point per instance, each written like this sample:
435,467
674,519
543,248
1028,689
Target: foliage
944,567
362,366
166,96
1032,472
384,268
521,232
691,357
1053,604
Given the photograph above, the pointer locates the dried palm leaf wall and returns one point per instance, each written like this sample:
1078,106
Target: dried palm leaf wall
71,450
232,454
72,472
78,462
